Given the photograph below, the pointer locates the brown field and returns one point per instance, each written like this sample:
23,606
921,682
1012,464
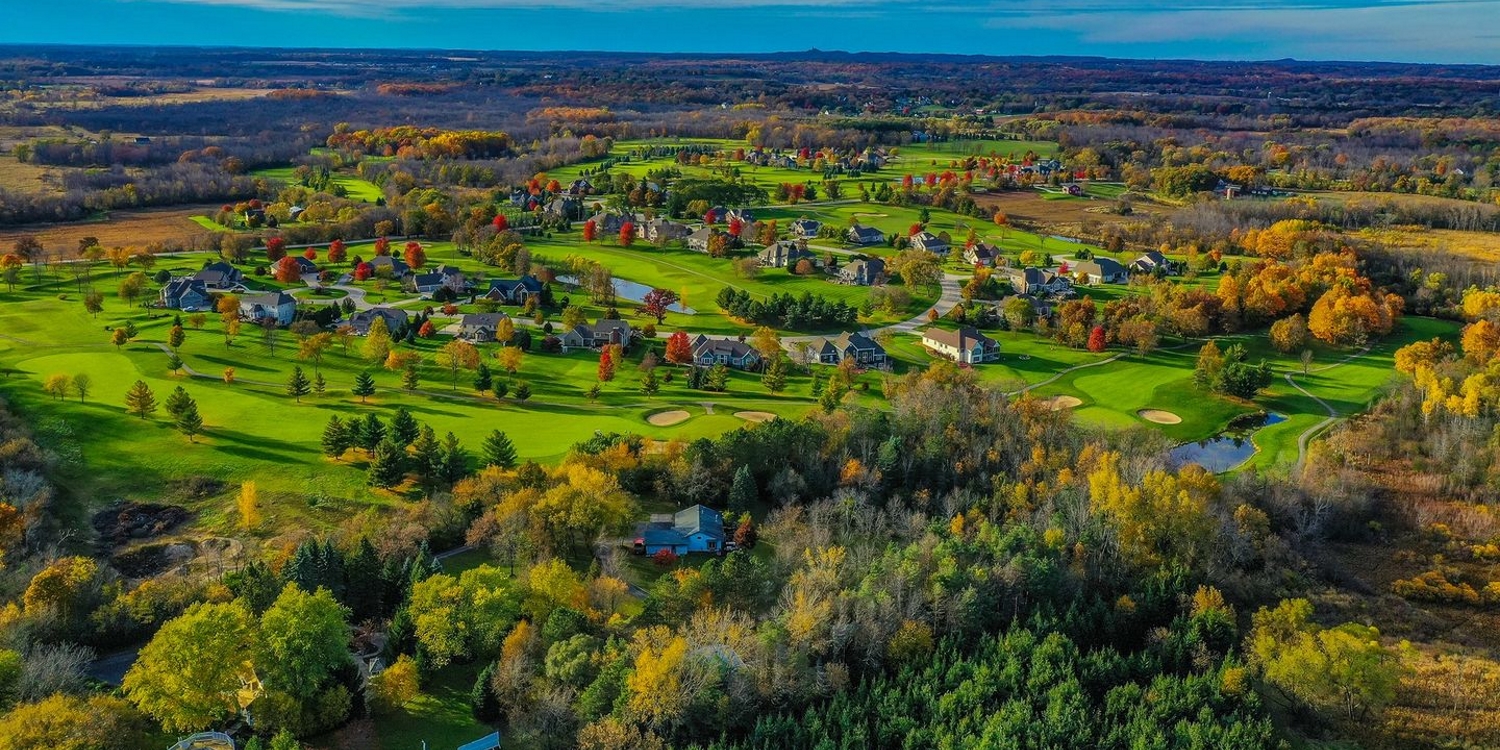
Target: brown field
121,228
25,178
1481,247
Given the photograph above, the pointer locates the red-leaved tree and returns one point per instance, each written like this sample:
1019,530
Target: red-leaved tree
589,230
415,256
275,249
383,246
657,301
606,366
1096,339
501,223
679,348
627,234
336,251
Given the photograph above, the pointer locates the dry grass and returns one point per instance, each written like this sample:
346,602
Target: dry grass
1481,247
1063,214
121,228
25,178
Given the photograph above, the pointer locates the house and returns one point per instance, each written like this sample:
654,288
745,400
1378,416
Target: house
480,327
981,254
863,350
966,345
1150,262
726,351
785,254
1035,280
695,529
580,186
278,306
564,208
514,291
388,266
221,275
806,229
186,293
661,230
394,318
929,242
305,266
701,239
1102,271
598,335
862,272
864,236
609,222
442,277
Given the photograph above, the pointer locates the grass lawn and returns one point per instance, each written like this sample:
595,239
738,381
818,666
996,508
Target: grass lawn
355,188
439,715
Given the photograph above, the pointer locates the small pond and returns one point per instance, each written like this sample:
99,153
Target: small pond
1229,449
633,292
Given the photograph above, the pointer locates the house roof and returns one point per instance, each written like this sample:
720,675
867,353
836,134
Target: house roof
528,282
866,233
425,279
699,519
179,287
1100,267
269,299
703,234
964,338
732,348
868,267
482,320
394,317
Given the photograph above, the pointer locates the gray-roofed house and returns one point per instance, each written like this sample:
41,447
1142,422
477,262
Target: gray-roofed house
278,306
981,254
609,222
929,242
1150,262
480,327
394,318
1035,280
597,335
806,228
695,529
832,350
863,272
725,351
514,291
220,275
186,293
966,345
442,277
1102,271
785,254
388,265
661,230
865,236
701,239
305,266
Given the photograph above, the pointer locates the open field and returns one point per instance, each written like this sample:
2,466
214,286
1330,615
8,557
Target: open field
355,188
119,228
1479,247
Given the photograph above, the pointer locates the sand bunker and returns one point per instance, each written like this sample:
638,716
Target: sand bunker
1058,403
668,418
755,416
1158,416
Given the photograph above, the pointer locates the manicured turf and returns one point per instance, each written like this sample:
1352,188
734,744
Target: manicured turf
439,716
355,188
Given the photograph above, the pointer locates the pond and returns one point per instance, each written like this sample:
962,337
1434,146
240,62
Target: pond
633,292
1229,449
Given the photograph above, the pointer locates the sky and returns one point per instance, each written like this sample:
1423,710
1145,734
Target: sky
1446,31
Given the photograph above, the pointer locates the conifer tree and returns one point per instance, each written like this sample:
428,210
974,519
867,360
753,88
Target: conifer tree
499,450
364,386
177,401
742,492
189,421
336,437
298,385
140,400
404,427
387,464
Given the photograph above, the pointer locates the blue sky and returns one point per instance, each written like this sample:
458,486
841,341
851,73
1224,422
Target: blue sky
1458,31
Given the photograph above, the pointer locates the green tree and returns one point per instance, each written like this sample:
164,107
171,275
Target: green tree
190,422
774,378
336,438
499,450
387,464
404,427
298,385
304,640
410,379
650,384
187,676
364,386
176,336
523,391
1343,668
717,378
742,492
320,386
177,401
483,379
140,400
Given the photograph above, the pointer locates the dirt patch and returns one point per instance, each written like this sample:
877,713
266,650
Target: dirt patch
1158,416
1059,403
755,416
151,559
123,522
121,228
668,418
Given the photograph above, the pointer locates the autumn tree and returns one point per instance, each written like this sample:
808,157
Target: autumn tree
140,400
457,355
377,344
657,302
1289,334
287,270
679,348
1096,339
188,675
606,371
275,249
1343,669
415,255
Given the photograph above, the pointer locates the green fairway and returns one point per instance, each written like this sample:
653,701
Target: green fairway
355,188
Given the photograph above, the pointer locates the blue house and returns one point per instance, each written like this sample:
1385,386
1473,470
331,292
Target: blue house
695,529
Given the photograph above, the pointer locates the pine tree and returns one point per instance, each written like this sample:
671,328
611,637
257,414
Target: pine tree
455,460
427,458
523,391
336,438
743,492
387,464
774,378
298,385
649,384
502,387
404,427
499,450
363,590
364,386
176,336
140,400
189,421
369,433
320,386
177,401
301,569
482,699
174,363
483,380
410,379
717,378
